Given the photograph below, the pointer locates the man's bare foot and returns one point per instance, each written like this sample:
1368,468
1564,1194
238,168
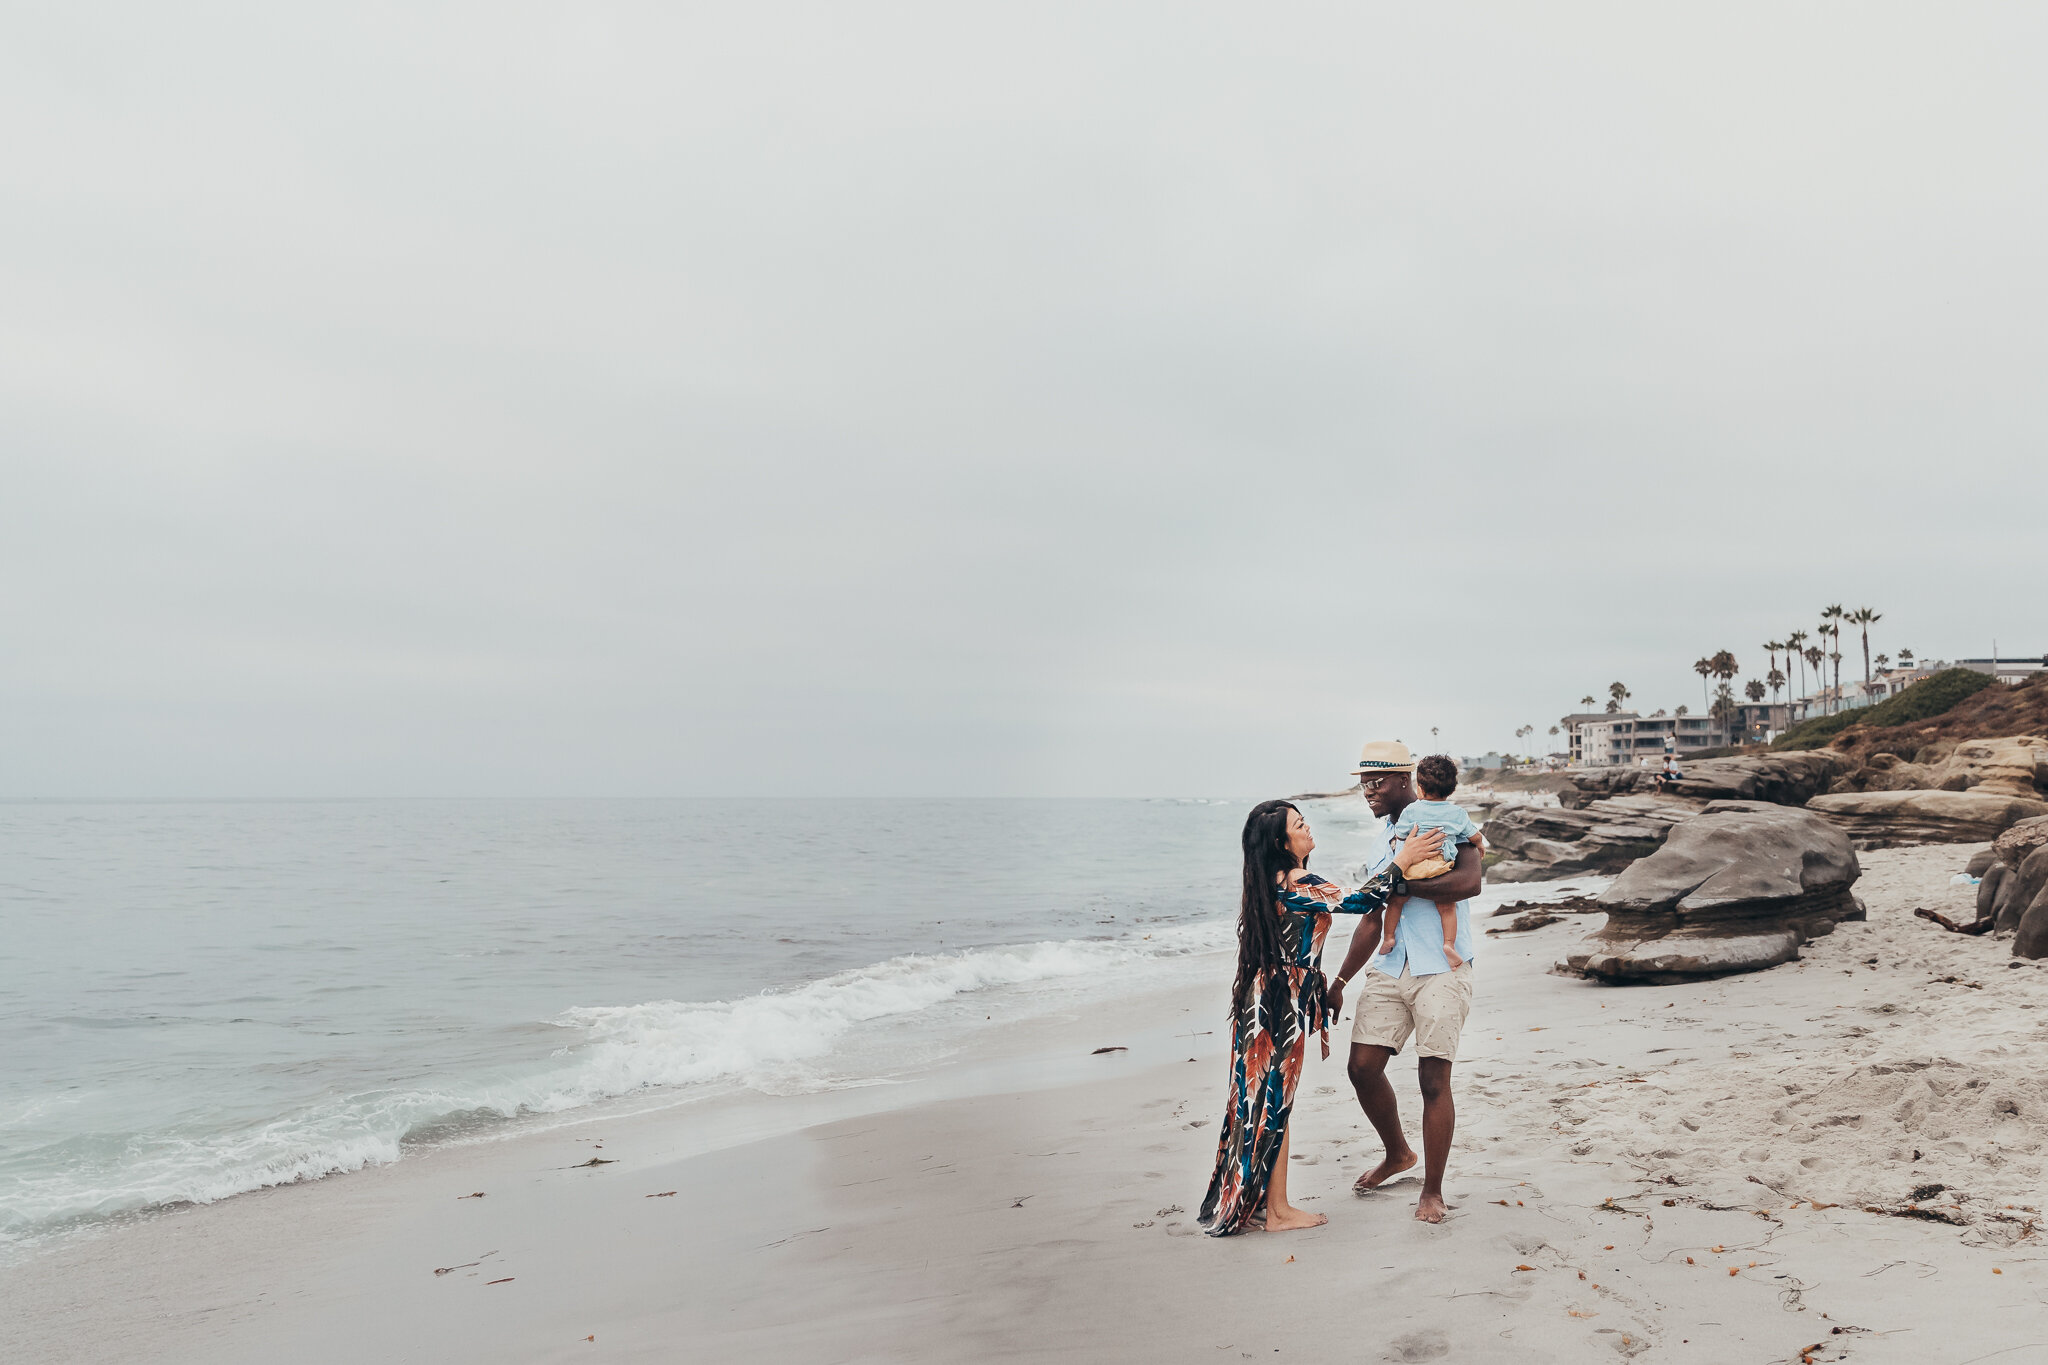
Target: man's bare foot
1293,1220
1431,1208
1379,1175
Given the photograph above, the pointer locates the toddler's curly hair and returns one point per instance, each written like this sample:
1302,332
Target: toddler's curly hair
1437,776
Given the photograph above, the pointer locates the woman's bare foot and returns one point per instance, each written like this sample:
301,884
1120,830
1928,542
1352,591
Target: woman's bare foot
1379,1175
1292,1220
1431,1208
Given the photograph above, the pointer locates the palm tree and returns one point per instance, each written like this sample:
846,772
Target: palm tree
1703,667
1831,624
1754,690
1776,678
1553,734
1795,643
1866,618
1813,655
1724,708
1725,668
1586,702
1823,632
1774,646
1617,693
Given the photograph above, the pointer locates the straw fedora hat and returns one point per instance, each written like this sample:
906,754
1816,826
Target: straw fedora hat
1384,756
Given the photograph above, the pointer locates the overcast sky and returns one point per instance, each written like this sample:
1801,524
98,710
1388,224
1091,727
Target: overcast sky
1065,399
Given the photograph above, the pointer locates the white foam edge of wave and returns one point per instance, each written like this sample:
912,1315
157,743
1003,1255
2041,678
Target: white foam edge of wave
770,1041
670,1042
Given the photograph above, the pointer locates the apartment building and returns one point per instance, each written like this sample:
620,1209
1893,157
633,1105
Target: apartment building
1574,727
1599,741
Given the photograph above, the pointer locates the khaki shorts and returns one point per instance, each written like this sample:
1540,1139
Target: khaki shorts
1432,1007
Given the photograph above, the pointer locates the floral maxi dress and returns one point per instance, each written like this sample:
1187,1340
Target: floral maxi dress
1268,1038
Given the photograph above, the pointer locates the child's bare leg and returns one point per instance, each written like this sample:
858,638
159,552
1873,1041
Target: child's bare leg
1447,911
1390,919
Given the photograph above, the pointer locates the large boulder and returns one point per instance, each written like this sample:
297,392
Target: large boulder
2017,892
1896,819
1538,843
2013,846
1736,888
2030,881
1987,890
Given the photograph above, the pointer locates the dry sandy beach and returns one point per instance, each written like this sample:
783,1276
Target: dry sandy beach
1676,1173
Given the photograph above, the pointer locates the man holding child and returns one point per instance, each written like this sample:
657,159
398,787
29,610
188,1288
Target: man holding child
1416,978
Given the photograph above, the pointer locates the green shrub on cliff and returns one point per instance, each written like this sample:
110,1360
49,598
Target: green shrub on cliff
1926,698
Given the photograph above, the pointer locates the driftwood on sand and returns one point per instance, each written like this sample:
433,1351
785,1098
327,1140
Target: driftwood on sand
1978,926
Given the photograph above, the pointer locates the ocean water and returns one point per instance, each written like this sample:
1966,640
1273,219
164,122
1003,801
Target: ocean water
201,999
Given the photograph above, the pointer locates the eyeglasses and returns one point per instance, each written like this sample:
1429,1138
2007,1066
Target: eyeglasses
1373,784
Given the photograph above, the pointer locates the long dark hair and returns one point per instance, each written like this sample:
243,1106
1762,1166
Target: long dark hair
1266,856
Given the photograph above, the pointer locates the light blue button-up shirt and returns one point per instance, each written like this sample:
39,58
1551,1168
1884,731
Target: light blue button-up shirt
1419,936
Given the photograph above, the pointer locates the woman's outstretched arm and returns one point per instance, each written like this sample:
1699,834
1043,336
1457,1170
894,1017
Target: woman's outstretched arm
1419,846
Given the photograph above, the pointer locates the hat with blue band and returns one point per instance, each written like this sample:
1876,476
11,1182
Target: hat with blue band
1384,756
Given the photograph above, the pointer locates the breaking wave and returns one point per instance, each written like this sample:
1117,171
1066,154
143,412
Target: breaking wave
773,1041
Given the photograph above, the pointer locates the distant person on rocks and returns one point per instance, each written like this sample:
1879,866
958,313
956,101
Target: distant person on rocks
1410,990
1437,776
1670,774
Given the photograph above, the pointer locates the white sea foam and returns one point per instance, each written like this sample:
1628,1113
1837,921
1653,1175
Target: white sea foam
754,1039
766,1041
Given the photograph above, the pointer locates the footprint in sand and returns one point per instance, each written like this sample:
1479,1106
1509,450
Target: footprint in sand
1429,1345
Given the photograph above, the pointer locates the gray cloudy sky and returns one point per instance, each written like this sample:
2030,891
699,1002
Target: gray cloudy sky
951,399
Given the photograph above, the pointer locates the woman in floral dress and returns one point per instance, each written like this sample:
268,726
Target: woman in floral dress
1280,996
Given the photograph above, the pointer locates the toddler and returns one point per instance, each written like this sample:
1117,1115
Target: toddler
1436,777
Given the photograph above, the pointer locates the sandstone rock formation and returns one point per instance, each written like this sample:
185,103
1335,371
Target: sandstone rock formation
2002,767
1987,891
2023,902
2013,846
1894,819
1537,843
2013,766
1738,887
1788,779
2017,892
1886,773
